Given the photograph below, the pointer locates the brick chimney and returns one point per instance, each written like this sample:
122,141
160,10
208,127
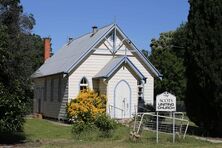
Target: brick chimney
47,48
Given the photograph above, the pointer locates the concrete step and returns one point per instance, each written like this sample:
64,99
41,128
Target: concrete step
124,121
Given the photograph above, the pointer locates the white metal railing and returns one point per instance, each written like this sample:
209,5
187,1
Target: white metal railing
161,116
140,107
182,117
181,114
114,108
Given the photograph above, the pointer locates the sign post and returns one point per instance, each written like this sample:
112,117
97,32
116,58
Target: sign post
173,127
157,128
165,102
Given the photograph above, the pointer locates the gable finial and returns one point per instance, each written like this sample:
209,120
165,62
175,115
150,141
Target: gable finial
114,20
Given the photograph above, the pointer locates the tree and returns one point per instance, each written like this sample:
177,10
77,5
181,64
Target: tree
29,57
167,55
20,55
204,65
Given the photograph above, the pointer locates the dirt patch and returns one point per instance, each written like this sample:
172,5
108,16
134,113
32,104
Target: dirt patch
59,123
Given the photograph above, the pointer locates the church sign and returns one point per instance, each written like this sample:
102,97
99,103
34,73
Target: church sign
166,102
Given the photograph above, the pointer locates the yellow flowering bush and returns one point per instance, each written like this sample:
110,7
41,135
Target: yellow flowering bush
86,106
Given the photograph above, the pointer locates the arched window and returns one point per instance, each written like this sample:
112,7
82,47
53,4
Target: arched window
83,84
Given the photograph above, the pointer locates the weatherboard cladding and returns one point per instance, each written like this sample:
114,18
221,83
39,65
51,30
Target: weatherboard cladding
114,64
71,54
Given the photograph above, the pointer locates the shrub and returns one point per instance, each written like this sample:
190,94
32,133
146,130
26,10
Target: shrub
86,106
88,113
11,112
85,130
105,124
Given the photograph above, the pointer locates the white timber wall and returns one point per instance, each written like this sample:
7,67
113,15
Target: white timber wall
89,68
38,84
51,105
103,87
123,74
54,96
149,86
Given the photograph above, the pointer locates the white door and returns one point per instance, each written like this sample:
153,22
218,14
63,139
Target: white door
122,97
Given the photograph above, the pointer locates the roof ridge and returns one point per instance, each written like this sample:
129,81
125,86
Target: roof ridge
74,39
90,32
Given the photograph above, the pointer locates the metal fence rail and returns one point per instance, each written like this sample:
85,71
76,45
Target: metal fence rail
112,110
148,120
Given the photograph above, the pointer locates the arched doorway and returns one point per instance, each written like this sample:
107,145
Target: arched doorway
122,100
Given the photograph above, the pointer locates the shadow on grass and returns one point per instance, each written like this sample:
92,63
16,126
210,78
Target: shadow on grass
198,131
192,130
12,138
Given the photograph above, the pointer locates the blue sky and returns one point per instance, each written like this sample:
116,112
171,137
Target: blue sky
141,20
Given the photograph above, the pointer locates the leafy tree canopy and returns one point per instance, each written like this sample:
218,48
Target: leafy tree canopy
204,65
167,55
20,55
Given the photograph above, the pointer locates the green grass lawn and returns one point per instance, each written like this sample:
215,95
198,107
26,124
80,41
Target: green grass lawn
44,133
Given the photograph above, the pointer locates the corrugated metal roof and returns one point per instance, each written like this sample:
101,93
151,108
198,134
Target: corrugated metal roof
70,53
114,64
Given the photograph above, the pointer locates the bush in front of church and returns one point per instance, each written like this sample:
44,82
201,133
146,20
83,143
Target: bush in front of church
86,106
88,114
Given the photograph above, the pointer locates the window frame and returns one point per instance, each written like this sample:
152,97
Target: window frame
83,84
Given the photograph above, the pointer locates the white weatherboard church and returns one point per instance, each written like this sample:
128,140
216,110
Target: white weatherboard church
104,60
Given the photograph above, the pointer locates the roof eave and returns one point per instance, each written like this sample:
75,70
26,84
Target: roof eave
121,62
135,69
147,62
42,76
89,50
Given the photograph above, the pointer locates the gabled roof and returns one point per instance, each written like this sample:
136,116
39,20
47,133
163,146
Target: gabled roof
70,55
114,64
141,56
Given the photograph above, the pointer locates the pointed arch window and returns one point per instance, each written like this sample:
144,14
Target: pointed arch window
83,84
